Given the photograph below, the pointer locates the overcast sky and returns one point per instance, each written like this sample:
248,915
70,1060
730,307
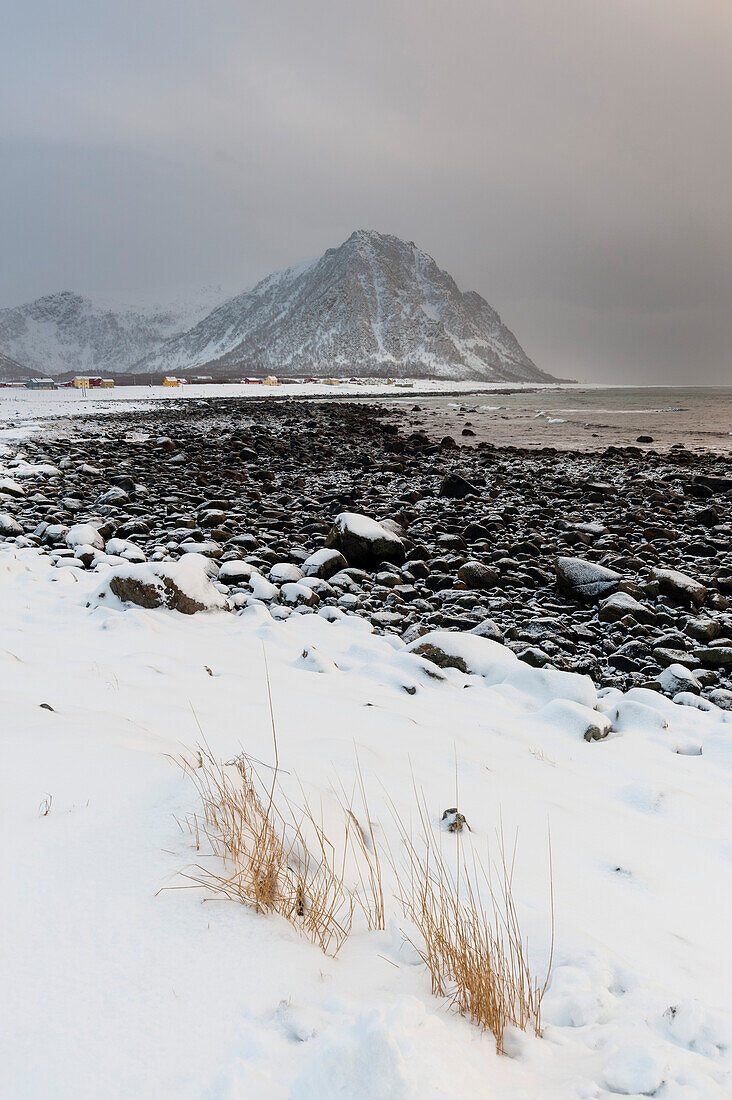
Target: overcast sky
571,160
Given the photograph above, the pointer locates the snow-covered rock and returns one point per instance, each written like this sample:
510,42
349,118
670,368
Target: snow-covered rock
183,586
468,653
634,1071
84,534
236,572
675,678
297,595
123,548
324,563
284,571
9,526
364,541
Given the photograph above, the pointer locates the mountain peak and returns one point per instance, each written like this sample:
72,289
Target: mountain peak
375,306
374,239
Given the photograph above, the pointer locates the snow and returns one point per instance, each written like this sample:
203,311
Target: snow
116,986
363,527
84,534
19,406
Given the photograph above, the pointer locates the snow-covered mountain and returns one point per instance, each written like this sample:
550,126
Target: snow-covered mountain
10,371
67,332
375,306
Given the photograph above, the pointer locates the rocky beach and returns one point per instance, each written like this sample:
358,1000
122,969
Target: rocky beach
615,564
360,625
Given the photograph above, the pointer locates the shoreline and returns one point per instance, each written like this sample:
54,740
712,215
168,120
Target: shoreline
277,474
580,417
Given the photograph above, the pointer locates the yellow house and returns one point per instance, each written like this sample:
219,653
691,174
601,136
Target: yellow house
107,383
81,382
271,380
171,382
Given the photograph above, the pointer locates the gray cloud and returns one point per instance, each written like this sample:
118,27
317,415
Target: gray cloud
569,160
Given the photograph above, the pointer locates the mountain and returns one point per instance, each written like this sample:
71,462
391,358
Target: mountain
67,332
375,306
10,371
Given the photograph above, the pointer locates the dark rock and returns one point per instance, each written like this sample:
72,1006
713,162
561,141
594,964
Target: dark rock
585,579
456,486
476,575
679,587
714,656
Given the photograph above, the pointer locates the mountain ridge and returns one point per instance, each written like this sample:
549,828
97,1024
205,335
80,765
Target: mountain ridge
374,306
68,332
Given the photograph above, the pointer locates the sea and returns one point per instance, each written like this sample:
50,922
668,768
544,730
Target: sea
699,418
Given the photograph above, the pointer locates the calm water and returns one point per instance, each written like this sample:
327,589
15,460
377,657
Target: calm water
590,418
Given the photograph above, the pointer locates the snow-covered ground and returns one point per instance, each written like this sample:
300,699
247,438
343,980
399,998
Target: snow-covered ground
112,988
18,402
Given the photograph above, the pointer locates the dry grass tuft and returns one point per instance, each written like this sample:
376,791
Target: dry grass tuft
275,858
477,957
278,859
363,846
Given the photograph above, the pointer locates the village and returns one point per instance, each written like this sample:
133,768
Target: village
92,382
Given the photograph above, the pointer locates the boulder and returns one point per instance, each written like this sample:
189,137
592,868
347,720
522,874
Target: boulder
84,534
585,579
363,541
468,653
115,495
676,678
11,487
283,572
324,563
620,604
122,548
456,486
488,629
236,572
703,630
9,527
714,656
182,586
721,697
297,595
679,587
666,656
476,575
208,547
